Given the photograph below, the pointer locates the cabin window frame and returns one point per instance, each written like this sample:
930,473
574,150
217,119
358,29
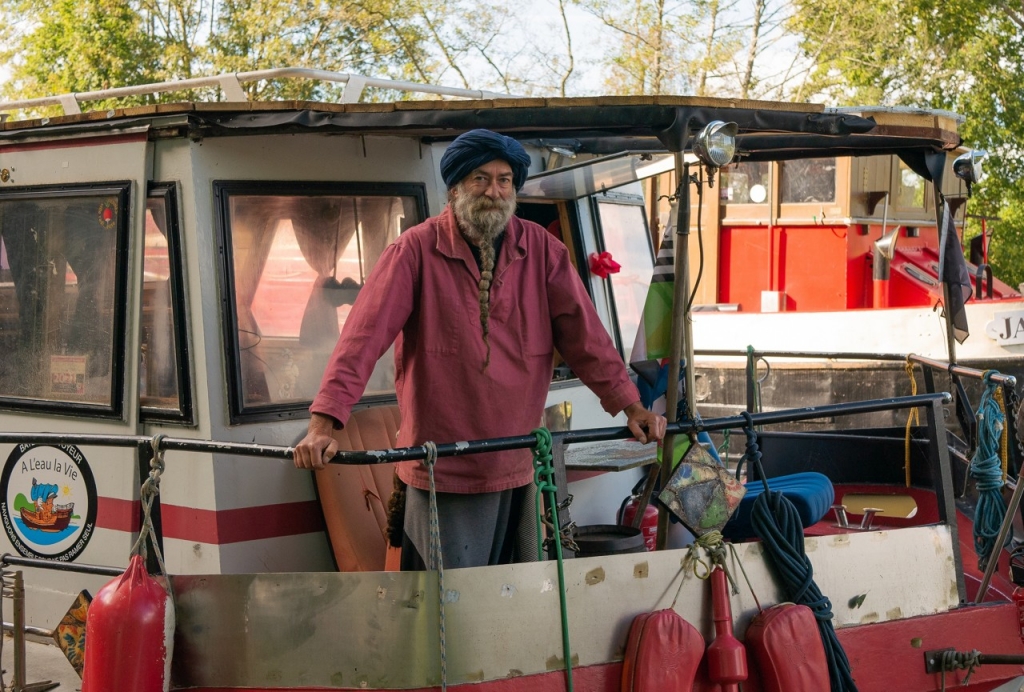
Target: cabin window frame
813,213
748,212
185,412
223,190
115,408
625,200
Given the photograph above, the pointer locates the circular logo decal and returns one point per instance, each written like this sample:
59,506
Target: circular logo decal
48,501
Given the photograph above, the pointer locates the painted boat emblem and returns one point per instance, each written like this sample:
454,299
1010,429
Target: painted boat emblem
48,501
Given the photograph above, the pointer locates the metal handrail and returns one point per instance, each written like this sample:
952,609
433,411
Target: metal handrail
471,447
231,85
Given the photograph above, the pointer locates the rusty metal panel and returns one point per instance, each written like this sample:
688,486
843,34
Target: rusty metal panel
377,630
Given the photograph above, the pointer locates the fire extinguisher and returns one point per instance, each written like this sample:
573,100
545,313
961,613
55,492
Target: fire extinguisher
649,523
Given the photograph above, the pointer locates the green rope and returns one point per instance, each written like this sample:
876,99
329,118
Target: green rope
544,477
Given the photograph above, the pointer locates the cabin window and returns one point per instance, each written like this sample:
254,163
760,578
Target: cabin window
910,188
624,234
804,181
63,267
297,256
164,384
747,182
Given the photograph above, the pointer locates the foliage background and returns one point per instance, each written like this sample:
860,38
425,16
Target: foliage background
960,55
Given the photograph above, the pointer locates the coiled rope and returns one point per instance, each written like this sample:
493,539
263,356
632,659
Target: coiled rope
434,557
959,660
777,523
986,469
544,477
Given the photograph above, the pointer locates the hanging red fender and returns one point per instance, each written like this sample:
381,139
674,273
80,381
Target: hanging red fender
662,653
129,635
786,644
727,659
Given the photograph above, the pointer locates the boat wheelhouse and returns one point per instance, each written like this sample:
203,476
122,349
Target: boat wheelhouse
172,280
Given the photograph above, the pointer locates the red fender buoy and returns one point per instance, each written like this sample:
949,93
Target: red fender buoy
662,653
129,634
787,647
727,659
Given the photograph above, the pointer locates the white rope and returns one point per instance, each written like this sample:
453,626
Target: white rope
435,561
147,494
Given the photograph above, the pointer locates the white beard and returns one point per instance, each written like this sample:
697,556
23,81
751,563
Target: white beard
480,218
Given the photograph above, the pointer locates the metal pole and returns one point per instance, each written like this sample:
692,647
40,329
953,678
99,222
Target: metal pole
1004,529
680,296
18,597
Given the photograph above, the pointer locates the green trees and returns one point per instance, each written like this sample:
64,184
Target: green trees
76,45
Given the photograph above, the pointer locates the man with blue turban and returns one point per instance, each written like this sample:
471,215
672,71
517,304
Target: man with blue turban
476,300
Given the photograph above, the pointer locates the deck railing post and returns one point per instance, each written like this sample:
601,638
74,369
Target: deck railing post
942,479
18,615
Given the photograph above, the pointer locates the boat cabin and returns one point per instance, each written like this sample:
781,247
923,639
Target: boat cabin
184,270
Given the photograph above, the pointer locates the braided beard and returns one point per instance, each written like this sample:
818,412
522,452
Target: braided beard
481,221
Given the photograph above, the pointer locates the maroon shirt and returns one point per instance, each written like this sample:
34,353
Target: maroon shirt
423,296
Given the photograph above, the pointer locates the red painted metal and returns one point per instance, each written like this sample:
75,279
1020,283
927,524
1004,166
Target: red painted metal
881,293
829,268
217,527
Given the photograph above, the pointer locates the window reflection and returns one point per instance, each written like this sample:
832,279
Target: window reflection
803,181
911,188
158,374
619,223
298,264
748,182
58,268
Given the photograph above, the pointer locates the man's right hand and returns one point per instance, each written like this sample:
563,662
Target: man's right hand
318,446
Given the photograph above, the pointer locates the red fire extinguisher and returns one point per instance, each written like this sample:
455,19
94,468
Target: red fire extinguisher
649,523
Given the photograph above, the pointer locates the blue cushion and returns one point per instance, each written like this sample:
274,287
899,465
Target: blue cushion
811,493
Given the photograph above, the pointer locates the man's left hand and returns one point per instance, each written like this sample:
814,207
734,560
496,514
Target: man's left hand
645,425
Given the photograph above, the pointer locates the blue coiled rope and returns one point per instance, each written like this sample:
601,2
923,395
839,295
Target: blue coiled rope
777,523
986,469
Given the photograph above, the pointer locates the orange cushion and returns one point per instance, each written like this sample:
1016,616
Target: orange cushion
354,498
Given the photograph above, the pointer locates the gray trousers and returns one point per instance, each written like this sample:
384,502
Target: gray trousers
476,529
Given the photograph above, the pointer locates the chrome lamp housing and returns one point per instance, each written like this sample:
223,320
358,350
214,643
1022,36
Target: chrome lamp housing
715,145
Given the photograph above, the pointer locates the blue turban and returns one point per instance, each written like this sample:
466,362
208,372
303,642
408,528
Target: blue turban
473,149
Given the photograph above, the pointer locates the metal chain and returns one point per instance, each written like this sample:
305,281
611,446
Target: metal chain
566,532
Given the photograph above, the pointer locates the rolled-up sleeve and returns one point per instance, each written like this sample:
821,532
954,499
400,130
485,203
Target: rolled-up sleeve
377,317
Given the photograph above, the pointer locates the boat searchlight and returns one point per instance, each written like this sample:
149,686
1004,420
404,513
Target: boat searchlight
967,167
715,145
